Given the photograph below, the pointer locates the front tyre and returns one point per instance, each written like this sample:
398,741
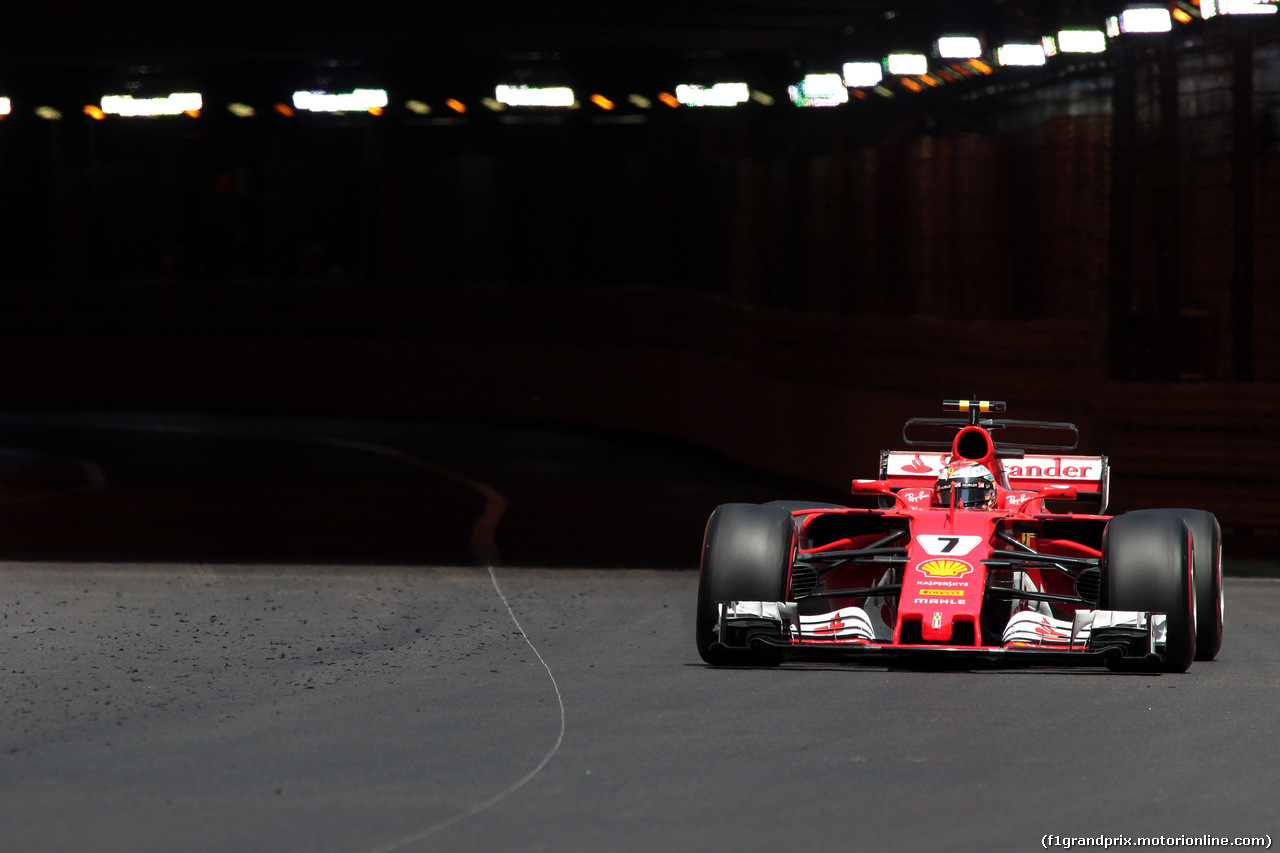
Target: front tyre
1206,538
1210,603
746,556
1146,565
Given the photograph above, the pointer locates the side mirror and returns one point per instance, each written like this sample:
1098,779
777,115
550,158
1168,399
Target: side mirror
1057,493
907,498
871,487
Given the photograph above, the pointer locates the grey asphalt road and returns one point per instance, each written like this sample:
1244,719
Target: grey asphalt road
226,708
223,635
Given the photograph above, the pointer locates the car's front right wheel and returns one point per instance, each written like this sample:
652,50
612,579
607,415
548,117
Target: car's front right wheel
1146,566
1206,538
746,556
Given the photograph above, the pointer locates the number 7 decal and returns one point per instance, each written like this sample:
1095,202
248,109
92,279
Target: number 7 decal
955,546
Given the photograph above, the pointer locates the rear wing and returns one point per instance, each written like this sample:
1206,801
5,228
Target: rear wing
1089,475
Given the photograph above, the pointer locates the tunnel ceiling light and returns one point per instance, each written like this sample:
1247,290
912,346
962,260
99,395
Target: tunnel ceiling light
909,64
1082,41
719,95
959,47
1024,55
359,100
1209,8
1145,19
170,105
819,90
534,96
863,75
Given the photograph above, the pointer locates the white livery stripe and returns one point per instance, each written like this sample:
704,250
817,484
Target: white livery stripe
847,623
1037,629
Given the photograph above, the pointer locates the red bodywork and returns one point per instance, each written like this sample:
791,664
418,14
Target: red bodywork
1025,569
943,581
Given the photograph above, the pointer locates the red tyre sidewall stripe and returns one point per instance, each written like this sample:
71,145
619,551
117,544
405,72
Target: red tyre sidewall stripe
1191,579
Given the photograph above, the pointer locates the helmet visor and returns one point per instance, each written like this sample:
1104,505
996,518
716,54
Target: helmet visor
976,495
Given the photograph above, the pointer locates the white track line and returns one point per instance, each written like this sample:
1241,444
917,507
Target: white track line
511,789
484,547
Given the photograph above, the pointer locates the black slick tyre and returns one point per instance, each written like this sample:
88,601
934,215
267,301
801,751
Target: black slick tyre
746,556
1206,537
1146,565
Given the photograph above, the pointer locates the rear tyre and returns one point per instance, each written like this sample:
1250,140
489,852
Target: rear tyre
1146,565
1206,537
746,556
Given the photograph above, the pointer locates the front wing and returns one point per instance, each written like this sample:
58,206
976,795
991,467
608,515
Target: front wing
1116,638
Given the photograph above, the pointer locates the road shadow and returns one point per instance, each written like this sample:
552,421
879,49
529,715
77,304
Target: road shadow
184,488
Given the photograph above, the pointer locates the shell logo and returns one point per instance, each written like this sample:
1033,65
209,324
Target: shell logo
945,568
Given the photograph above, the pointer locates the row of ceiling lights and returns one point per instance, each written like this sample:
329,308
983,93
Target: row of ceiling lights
961,56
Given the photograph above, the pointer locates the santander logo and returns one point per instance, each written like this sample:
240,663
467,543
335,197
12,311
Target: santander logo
917,466
909,464
1077,469
1055,468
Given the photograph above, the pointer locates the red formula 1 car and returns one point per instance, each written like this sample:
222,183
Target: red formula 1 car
973,549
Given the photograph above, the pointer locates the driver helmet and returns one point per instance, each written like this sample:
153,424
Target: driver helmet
973,485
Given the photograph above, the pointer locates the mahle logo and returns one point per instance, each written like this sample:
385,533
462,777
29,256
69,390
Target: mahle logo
945,568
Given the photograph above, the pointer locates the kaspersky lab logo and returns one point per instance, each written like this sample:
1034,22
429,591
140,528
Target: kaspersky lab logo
945,568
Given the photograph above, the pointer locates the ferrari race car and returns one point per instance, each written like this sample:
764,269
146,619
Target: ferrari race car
971,549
